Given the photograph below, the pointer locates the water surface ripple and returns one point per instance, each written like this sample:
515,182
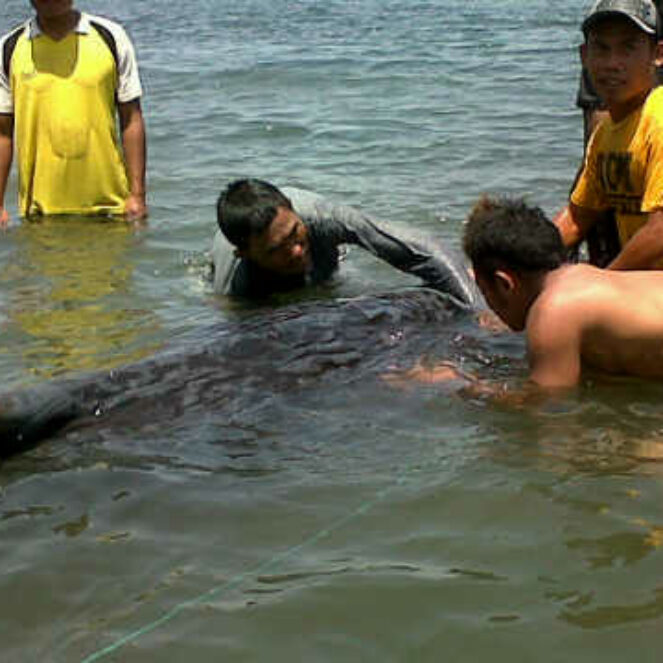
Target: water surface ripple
242,484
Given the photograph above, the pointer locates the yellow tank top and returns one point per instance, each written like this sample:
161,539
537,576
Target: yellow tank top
68,153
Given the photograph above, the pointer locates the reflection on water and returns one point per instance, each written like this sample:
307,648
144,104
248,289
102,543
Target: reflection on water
69,281
617,615
602,453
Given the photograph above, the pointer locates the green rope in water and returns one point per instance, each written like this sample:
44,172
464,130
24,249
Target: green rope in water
237,580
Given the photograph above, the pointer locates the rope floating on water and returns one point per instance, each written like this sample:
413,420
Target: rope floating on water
262,568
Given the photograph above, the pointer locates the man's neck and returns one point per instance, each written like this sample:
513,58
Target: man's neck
534,286
58,27
621,111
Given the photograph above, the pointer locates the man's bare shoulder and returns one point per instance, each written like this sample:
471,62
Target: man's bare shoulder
584,285
573,299
569,289
574,277
614,318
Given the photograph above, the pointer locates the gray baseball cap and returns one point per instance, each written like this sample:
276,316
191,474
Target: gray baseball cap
641,12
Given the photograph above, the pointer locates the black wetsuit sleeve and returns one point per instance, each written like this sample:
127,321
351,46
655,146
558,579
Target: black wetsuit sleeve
436,266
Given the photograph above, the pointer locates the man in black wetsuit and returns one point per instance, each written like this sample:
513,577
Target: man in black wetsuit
273,241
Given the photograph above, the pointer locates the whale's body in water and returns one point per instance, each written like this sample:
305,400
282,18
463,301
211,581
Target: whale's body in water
233,367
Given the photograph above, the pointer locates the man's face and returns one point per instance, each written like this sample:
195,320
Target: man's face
503,294
52,8
620,59
283,247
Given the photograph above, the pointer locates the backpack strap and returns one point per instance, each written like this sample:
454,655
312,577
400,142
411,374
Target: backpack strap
8,49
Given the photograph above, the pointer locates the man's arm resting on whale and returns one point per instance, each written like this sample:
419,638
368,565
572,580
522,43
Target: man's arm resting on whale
434,265
553,352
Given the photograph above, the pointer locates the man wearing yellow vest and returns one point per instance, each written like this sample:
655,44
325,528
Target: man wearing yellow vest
64,74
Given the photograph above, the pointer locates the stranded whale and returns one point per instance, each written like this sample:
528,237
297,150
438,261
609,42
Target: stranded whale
224,368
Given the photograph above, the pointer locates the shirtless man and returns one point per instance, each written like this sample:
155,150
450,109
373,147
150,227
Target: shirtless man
574,316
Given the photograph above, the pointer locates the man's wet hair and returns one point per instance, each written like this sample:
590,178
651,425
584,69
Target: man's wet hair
246,207
507,233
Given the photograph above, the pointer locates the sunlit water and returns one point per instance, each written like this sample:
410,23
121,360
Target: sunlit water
259,491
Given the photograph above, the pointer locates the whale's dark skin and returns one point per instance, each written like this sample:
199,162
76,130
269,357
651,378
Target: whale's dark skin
270,351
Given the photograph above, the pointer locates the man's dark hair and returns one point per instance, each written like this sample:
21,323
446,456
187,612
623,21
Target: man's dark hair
246,207
507,233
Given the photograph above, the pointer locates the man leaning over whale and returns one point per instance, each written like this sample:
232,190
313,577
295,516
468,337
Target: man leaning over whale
271,240
577,319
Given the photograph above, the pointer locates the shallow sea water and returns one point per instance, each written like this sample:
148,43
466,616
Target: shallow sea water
259,491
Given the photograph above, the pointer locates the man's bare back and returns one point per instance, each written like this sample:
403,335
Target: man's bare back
610,320
574,316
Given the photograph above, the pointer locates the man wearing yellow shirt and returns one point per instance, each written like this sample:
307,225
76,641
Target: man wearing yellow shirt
623,170
65,78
